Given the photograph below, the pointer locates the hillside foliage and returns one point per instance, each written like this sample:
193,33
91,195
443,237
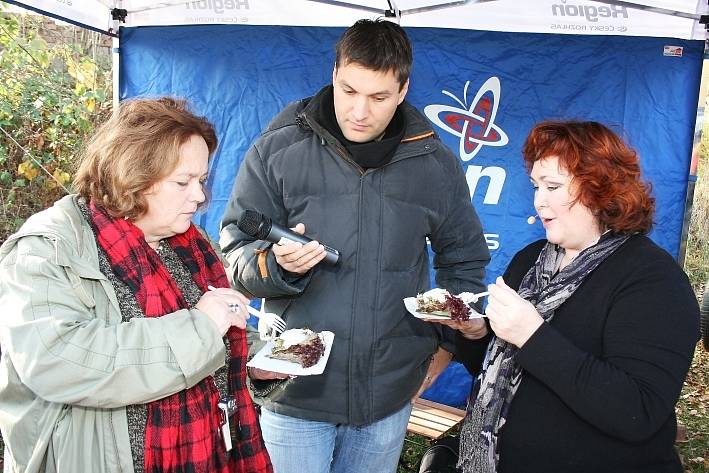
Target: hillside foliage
52,94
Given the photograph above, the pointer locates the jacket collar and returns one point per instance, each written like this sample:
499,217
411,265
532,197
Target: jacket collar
418,137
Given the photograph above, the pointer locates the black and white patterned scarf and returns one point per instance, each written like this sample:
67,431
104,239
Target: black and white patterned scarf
501,375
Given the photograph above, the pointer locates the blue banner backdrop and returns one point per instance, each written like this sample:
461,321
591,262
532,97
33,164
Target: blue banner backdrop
482,90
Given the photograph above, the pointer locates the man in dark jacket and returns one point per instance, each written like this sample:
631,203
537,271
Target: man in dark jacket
364,172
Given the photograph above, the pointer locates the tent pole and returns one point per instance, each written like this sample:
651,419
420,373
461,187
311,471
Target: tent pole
354,6
117,15
115,56
692,178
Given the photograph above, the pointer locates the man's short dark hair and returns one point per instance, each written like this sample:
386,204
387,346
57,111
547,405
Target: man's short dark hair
379,45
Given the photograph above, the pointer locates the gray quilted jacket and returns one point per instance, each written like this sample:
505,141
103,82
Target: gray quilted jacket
379,219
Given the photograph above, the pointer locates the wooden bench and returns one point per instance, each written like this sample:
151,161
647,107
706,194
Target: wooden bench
432,419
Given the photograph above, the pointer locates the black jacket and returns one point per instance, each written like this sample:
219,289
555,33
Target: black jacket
379,220
602,378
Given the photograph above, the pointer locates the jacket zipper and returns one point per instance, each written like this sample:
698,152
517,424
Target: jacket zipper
350,380
344,156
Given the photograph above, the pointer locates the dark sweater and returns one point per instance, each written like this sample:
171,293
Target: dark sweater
602,378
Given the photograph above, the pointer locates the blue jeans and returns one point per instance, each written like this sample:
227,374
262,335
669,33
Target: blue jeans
306,446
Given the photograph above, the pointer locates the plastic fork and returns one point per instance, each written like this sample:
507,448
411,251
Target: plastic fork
266,332
469,297
272,321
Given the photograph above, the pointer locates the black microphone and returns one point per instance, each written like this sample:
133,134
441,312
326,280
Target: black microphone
259,226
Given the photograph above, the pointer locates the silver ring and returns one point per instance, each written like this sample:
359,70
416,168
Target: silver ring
233,307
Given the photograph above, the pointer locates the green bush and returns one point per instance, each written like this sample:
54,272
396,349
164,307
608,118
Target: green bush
51,97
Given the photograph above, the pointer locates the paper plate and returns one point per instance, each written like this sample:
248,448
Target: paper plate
262,361
467,297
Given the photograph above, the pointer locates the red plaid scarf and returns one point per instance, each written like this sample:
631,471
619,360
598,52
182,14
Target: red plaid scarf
182,431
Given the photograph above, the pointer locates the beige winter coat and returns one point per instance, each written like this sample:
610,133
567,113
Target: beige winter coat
69,365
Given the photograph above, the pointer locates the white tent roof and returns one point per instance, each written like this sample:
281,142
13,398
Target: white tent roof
663,18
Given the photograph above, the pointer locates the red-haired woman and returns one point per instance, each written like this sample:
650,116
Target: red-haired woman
595,326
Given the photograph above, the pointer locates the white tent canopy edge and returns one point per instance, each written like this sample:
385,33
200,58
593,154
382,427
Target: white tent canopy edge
659,18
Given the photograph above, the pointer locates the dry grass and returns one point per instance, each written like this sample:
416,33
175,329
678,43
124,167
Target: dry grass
693,414
693,406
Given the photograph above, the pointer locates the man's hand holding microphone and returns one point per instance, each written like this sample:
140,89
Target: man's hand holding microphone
294,252
296,257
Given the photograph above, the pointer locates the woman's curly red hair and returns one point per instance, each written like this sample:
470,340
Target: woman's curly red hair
605,171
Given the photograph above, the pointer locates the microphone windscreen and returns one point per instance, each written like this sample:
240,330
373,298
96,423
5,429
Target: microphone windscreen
252,222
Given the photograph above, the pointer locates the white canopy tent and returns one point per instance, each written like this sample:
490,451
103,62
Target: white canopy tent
682,19
608,84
